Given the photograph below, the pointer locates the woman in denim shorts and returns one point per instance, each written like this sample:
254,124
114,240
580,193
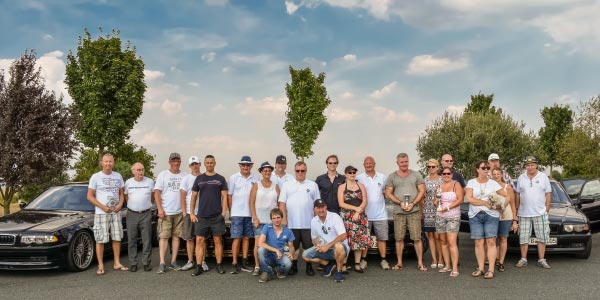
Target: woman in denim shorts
508,217
447,222
483,220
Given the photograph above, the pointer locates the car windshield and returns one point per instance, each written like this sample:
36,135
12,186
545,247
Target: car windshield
573,186
558,194
70,197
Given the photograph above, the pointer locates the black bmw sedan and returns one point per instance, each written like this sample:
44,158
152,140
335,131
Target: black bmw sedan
53,231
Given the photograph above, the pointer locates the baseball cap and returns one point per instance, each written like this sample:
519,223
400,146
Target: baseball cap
193,159
350,168
266,164
494,156
246,160
174,155
319,203
530,159
280,159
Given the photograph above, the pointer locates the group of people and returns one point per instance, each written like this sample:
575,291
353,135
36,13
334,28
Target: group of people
329,218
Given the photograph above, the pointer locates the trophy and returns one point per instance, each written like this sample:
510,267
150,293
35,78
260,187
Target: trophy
406,199
438,196
112,203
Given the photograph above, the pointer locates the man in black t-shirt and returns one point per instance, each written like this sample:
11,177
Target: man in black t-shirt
210,189
329,182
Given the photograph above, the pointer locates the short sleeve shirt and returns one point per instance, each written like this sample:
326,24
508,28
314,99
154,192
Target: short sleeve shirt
329,230
209,190
106,188
275,241
482,191
374,186
169,184
239,189
328,190
139,193
186,185
299,198
281,180
407,185
532,193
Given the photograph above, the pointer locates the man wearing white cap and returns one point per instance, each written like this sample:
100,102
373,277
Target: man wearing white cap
494,160
188,227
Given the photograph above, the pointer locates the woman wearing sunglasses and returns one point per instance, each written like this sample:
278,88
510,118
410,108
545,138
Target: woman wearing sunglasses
352,199
483,220
432,185
447,221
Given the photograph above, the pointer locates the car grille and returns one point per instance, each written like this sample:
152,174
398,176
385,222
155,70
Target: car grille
554,228
7,239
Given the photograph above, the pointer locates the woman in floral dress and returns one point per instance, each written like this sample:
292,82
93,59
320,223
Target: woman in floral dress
432,185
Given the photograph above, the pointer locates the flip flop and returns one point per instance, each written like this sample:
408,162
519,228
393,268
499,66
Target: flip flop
397,267
433,266
100,271
477,273
422,268
121,268
444,270
454,274
488,275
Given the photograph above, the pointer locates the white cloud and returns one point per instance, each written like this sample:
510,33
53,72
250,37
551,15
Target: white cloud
151,74
569,99
386,115
208,57
266,61
218,108
47,37
225,69
427,65
216,2
5,65
346,96
268,106
313,62
170,108
349,57
216,143
338,114
53,71
153,137
291,7
456,109
148,104
194,84
193,39
386,90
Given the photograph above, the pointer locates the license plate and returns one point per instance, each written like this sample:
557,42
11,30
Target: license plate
374,242
533,241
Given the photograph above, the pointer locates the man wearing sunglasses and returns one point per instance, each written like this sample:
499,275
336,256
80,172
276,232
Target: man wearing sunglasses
296,201
447,161
329,182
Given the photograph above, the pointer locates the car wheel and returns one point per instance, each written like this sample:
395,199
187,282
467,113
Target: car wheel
81,252
588,251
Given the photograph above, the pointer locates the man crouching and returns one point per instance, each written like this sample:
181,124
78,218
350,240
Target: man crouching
276,243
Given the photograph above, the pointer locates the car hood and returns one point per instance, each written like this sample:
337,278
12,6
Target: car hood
564,213
44,221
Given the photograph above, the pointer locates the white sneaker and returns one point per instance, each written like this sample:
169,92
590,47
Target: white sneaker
205,266
187,266
385,265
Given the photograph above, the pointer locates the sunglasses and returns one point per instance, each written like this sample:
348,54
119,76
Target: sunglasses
449,160
300,171
431,167
351,173
485,168
447,174
332,163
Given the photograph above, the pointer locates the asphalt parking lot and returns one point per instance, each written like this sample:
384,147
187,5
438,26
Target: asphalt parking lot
569,278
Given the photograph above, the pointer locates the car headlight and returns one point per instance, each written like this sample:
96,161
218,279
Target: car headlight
575,227
38,239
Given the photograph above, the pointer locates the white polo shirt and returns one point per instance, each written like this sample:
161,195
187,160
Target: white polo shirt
374,187
299,199
533,194
168,184
281,180
328,230
139,193
186,185
239,189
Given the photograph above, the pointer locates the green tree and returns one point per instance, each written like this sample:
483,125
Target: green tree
107,86
36,140
471,137
579,152
128,154
307,101
588,117
482,104
558,122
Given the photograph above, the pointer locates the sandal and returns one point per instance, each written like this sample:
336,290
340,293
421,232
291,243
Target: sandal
358,269
500,267
100,271
121,268
440,266
488,275
477,273
444,270
397,267
454,274
433,266
422,268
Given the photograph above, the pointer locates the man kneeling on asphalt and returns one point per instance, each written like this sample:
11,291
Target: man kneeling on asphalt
276,243
329,239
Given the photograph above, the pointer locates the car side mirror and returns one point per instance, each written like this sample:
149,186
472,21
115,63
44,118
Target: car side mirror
586,200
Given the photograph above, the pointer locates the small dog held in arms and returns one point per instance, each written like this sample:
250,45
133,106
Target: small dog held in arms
498,202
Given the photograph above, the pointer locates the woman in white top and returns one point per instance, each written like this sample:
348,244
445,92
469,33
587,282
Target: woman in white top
483,220
508,217
263,198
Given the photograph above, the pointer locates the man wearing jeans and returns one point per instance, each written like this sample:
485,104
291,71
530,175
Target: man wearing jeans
533,203
272,243
138,194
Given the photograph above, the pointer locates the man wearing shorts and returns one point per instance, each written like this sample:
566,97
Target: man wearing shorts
168,202
209,192
186,198
296,201
374,183
406,188
105,191
533,203
138,194
330,241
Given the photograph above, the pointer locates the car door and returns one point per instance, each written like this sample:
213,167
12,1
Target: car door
590,201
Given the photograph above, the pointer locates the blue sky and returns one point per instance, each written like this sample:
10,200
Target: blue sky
216,69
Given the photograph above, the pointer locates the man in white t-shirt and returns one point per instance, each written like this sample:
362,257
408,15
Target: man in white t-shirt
186,198
238,199
330,241
105,191
280,176
170,219
377,215
296,201
534,194
138,195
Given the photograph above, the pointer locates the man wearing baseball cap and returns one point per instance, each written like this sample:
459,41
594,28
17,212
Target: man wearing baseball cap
494,160
280,176
186,199
329,239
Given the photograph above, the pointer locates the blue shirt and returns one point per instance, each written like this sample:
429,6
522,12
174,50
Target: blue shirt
272,240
